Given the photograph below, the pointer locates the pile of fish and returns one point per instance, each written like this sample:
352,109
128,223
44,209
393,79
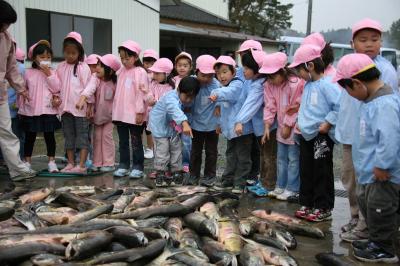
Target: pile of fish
138,225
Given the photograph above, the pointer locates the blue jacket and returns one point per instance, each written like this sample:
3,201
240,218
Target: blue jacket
12,94
377,137
252,109
203,118
166,110
240,74
319,104
348,116
230,102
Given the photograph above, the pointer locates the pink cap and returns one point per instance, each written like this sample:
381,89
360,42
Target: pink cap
305,53
132,46
19,54
162,65
366,23
30,51
250,44
226,60
183,54
92,59
111,61
351,65
273,63
150,53
258,57
74,35
205,64
315,38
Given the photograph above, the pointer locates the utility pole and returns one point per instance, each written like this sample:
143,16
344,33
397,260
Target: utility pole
309,17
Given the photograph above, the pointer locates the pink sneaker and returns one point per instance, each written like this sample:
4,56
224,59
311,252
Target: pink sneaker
67,168
186,168
78,170
152,175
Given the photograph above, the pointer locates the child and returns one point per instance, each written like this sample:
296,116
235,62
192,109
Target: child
72,76
183,67
91,60
149,58
367,40
39,114
252,109
376,149
316,121
102,85
167,144
238,161
245,47
282,90
327,56
129,109
204,124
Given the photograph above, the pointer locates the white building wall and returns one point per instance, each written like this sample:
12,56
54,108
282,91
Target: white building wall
130,19
216,7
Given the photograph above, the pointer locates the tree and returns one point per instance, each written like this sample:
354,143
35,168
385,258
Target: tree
395,33
262,17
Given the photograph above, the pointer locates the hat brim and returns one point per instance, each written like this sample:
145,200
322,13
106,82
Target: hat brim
207,70
270,70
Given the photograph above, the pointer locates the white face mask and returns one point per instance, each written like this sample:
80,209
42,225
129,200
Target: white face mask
45,63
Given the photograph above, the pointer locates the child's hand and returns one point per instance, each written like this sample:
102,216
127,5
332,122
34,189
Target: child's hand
218,130
143,89
266,134
285,133
25,95
90,110
55,101
217,111
213,98
45,69
81,103
239,129
292,109
139,118
381,175
186,129
324,128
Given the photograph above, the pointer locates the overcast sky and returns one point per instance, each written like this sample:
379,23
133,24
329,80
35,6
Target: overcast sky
336,14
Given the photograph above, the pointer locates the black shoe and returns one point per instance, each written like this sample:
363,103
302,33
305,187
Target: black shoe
360,244
207,181
294,198
223,184
160,180
374,254
177,179
191,180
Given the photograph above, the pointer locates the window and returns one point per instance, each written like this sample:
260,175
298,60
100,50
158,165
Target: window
52,26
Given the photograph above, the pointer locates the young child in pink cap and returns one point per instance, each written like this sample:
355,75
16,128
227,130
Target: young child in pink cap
184,68
281,91
326,52
39,114
72,76
204,124
375,152
150,56
91,60
129,109
366,39
316,121
102,85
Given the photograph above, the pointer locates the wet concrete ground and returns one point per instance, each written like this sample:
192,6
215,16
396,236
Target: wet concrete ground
307,247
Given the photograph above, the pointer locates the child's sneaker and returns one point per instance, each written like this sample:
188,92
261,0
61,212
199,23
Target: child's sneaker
303,212
191,180
177,179
207,181
252,181
152,175
294,198
277,191
223,184
354,235
52,167
186,169
78,170
121,172
136,174
285,195
374,254
319,215
68,168
148,153
107,168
